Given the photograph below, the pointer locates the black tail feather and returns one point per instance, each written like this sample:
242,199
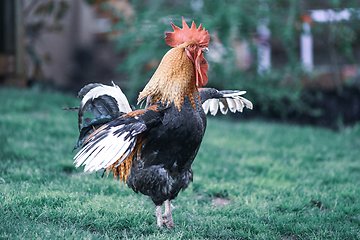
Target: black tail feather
106,103
87,89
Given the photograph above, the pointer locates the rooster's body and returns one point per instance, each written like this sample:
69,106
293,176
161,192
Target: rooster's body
152,149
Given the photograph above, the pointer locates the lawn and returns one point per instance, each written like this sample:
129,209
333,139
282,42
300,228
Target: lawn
252,180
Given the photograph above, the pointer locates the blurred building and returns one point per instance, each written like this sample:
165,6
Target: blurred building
11,33
63,43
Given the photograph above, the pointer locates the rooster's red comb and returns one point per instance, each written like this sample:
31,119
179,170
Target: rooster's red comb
181,35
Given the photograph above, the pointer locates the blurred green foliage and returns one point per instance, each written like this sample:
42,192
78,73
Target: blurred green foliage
142,43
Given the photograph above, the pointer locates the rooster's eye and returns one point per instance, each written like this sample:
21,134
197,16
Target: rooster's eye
191,45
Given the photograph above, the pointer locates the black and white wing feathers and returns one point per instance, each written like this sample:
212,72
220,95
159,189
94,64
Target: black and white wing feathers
116,139
109,143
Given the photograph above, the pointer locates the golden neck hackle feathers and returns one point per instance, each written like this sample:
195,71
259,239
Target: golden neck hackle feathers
178,76
173,80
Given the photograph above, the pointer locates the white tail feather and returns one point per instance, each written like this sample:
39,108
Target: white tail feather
113,91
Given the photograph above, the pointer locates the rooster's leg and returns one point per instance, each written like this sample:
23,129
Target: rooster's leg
167,215
159,216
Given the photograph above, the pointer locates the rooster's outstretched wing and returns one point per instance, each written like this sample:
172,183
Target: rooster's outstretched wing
213,99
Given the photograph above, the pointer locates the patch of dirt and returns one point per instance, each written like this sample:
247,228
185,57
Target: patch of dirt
219,202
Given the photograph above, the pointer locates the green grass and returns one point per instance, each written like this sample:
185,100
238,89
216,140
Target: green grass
282,181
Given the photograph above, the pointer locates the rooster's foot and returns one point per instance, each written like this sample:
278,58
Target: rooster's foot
165,218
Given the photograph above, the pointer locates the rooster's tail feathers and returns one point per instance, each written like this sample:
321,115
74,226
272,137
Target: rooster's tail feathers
102,101
106,104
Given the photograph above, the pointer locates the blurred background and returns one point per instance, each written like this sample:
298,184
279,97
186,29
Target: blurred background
297,60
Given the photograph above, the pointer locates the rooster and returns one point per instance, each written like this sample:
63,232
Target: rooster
152,149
